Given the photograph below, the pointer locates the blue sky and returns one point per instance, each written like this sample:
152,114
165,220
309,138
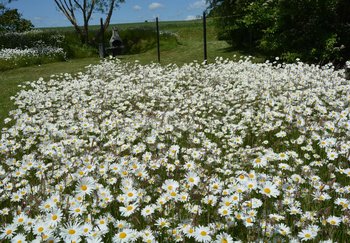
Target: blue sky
43,13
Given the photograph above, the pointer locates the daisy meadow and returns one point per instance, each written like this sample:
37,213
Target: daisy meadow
222,152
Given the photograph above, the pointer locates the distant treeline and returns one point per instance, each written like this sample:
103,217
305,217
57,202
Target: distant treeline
316,31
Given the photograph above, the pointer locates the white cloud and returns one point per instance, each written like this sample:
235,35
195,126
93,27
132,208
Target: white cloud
137,7
201,4
154,6
191,17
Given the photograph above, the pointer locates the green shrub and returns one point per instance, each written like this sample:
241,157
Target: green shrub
73,47
28,61
41,46
31,39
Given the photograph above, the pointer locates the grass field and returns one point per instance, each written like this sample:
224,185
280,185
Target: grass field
188,49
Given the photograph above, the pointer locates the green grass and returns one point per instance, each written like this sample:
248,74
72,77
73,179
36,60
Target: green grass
188,48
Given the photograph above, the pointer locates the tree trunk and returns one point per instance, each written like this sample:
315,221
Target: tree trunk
107,21
109,15
86,23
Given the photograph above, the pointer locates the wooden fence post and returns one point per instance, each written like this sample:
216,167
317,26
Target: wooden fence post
158,39
102,50
205,37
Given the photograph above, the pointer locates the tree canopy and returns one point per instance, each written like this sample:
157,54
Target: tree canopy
314,30
11,20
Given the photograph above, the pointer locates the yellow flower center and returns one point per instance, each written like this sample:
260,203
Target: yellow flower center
190,231
71,231
241,177
203,233
40,229
129,208
83,188
170,188
122,235
307,235
54,217
20,220
191,180
130,194
224,241
8,232
227,203
173,194
267,190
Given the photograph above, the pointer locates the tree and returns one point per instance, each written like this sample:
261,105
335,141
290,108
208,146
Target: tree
11,20
72,8
241,22
314,30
